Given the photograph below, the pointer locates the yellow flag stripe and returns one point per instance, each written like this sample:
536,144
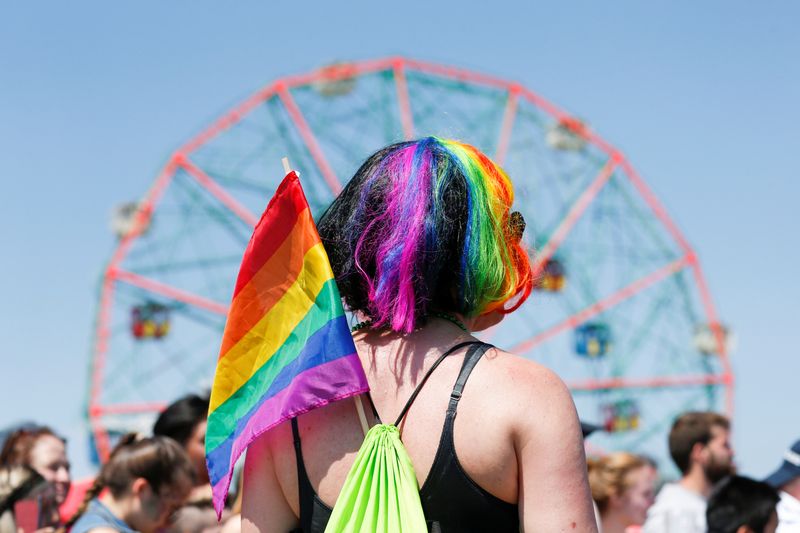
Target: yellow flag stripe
258,345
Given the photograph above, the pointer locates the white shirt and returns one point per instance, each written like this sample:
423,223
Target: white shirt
676,510
788,514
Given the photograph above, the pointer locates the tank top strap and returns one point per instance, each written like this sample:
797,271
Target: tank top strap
428,374
470,360
303,483
374,409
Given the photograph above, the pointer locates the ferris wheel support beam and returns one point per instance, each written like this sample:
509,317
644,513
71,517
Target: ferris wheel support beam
530,96
170,292
100,351
716,328
345,70
598,307
229,119
142,217
101,441
574,213
216,190
656,206
128,408
705,294
648,383
457,73
311,141
233,117
406,118
509,114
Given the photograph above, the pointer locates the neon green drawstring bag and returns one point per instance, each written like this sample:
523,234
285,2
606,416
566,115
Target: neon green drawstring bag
381,493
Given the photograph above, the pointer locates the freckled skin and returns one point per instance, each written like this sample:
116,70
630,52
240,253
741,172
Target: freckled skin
516,435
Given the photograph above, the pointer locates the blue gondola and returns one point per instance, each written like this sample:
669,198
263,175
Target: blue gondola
593,340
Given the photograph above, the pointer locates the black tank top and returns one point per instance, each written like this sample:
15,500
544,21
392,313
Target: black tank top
451,500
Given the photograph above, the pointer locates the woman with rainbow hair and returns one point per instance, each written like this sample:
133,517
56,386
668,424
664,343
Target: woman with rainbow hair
426,250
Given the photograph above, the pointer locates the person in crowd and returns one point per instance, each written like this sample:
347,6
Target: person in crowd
20,485
742,505
146,481
39,448
623,487
185,422
425,251
699,443
786,479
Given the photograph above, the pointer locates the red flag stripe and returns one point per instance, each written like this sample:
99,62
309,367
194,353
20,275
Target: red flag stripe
279,219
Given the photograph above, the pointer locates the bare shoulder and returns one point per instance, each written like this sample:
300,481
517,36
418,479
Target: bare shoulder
536,398
526,379
553,489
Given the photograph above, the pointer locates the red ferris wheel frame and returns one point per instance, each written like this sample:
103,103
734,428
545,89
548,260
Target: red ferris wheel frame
399,66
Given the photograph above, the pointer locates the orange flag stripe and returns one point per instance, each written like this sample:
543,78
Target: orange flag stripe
270,283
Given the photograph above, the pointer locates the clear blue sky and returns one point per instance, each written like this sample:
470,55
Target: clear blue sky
701,96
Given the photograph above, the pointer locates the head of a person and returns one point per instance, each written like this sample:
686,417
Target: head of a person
624,484
742,505
150,478
426,226
787,476
184,421
45,452
701,441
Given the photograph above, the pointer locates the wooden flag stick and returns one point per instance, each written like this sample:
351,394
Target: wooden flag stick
362,417
286,167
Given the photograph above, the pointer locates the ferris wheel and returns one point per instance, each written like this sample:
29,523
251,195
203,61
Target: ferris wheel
621,310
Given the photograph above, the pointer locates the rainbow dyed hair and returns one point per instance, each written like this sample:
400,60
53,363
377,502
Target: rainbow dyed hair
426,226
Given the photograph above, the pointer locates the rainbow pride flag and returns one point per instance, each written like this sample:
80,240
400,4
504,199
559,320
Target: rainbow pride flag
287,346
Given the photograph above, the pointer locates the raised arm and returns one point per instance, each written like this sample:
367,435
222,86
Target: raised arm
264,507
554,490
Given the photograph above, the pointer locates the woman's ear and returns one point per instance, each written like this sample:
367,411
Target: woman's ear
139,485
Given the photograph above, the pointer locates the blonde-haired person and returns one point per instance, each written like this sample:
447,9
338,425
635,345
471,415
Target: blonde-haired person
623,487
147,480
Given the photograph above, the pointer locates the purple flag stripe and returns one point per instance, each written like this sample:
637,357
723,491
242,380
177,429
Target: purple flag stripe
310,389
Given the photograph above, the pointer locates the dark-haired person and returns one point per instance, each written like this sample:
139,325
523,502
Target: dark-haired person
742,505
40,449
147,480
426,250
699,443
185,422
786,479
